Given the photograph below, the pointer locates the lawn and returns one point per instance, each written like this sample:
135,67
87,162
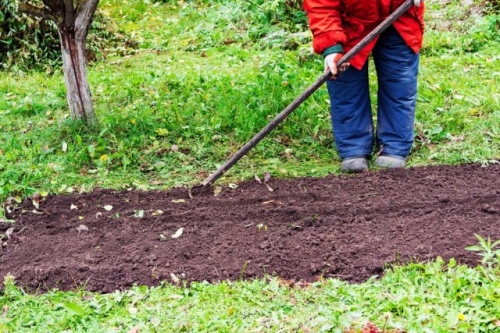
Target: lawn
204,78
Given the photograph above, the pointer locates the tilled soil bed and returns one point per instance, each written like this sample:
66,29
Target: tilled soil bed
347,227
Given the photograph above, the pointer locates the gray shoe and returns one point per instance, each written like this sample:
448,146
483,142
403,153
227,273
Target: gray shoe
354,164
390,161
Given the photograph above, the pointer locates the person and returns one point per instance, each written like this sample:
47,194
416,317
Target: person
337,26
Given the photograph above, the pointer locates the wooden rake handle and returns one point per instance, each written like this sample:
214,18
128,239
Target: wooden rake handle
308,92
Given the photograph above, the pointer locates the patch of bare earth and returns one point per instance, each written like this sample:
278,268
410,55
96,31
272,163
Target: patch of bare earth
347,227
441,20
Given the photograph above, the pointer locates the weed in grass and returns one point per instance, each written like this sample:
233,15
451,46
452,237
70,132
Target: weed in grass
489,252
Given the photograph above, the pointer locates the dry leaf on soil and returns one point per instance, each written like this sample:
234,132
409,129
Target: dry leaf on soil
139,213
174,278
278,203
9,232
269,188
217,191
267,177
178,233
178,201
82,227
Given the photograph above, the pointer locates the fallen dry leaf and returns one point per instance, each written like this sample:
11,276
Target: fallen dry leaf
267,177
9,201
178,200
217,191
178,233
278,203
9,232
157,212
174,278
82,227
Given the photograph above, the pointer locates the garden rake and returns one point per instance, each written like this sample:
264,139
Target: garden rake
302,97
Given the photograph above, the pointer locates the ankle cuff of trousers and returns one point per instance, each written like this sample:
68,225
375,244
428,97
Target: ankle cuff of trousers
395,152
355,153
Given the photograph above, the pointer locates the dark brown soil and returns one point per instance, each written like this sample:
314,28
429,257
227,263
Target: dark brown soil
347,227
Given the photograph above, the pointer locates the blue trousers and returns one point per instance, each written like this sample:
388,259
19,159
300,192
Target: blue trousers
397,69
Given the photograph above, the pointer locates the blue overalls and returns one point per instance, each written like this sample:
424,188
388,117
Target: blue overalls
397,69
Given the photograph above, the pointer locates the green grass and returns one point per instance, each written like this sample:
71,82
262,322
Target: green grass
201,84
207,94
436,297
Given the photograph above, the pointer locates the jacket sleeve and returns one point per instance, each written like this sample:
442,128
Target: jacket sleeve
325,22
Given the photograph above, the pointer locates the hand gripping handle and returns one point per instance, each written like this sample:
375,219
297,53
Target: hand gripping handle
308,92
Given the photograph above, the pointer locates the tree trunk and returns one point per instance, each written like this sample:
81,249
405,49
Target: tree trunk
75,76
73,18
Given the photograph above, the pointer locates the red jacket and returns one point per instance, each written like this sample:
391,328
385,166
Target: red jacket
346,22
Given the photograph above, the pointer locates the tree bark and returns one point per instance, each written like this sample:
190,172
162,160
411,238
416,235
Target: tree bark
75,76
73,18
